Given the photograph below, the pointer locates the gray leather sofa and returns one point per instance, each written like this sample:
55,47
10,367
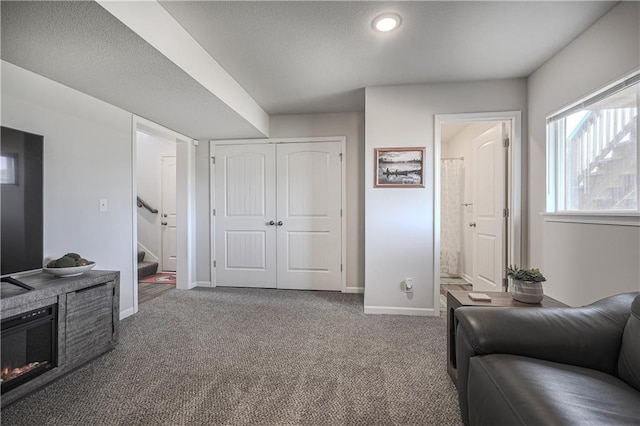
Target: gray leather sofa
550,366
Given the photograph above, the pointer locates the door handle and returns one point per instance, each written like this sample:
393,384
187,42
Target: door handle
472,224
279,223
271,223
164,223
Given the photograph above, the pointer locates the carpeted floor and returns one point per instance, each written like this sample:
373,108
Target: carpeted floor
257,357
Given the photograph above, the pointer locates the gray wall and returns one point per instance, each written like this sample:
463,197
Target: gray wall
88,156
399,222
582,262
348,124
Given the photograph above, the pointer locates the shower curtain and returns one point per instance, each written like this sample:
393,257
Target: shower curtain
451,221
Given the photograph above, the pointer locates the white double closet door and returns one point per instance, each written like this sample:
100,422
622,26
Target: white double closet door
278,215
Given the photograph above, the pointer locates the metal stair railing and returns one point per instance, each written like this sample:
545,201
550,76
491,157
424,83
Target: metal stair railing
595,140
142,203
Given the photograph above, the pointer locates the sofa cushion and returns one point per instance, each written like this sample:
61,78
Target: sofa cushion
629,359
516,390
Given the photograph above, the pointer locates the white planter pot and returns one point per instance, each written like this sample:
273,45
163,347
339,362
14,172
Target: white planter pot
526,291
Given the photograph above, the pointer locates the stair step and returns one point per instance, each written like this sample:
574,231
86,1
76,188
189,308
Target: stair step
146,269
140,256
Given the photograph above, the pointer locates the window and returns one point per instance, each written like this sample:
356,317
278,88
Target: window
8,172
592,153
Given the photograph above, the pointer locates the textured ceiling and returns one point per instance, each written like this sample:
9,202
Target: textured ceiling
81,45
296,57
291,57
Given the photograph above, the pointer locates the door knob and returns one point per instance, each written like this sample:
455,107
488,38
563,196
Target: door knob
472,224
164,223
164,215
279,223
271,223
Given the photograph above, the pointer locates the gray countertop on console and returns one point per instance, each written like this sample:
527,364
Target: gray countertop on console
46,286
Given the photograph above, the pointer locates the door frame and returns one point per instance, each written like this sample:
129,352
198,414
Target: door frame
514,186
185,196
343,197
161,158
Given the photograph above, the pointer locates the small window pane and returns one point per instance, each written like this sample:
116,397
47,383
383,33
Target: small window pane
597,155
8,172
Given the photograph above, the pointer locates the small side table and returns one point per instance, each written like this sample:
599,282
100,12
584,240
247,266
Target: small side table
458,298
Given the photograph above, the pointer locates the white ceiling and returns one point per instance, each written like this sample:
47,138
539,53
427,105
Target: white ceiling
303,57
81,45
291,57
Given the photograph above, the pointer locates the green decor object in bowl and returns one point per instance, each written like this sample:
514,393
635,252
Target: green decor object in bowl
69,265
526,284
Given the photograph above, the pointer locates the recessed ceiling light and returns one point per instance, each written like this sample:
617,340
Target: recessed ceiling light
387,22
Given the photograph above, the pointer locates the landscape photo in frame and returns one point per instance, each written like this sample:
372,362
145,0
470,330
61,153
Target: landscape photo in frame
399,167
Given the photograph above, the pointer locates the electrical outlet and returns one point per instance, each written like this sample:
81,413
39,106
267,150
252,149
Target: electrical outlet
407,285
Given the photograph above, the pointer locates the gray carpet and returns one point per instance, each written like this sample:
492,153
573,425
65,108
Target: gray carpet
262,357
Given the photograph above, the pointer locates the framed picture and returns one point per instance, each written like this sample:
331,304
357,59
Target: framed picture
399,167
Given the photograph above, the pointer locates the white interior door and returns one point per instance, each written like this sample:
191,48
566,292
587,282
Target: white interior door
488,205
309,208
245,220
168,222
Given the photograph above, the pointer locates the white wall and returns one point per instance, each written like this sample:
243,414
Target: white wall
149,151
399,238
203,215
582,263
186,213
88,156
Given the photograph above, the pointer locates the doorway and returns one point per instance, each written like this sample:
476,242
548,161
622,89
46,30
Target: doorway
163,162
155,189
477,200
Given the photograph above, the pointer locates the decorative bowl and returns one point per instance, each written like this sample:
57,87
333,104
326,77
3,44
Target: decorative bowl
71,271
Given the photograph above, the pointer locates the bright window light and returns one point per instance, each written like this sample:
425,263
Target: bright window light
593,156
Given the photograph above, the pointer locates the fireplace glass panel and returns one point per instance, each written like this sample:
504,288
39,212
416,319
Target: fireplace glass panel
29,346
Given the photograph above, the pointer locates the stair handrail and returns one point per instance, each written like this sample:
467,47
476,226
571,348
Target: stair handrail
143,203
597,152
618,124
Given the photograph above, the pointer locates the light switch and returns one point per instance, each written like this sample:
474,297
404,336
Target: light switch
103,204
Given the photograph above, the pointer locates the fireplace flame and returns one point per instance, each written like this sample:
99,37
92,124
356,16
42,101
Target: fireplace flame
9,373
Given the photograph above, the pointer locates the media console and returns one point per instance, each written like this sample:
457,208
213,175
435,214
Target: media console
55,328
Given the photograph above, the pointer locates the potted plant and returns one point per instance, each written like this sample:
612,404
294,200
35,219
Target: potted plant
526,284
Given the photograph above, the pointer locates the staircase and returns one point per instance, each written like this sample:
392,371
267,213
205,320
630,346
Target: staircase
607,170
145,269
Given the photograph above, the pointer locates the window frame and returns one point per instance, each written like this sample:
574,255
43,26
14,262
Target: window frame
555,153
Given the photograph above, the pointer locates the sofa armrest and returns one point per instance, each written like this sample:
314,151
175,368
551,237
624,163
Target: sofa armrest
588,336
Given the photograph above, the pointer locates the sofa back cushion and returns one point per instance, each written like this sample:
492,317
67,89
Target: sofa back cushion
629,359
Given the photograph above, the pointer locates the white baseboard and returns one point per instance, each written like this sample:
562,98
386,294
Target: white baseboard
126,313
390,310
148,256
354,290
203,284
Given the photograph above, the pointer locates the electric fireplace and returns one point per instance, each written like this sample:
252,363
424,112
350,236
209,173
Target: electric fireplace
29,346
